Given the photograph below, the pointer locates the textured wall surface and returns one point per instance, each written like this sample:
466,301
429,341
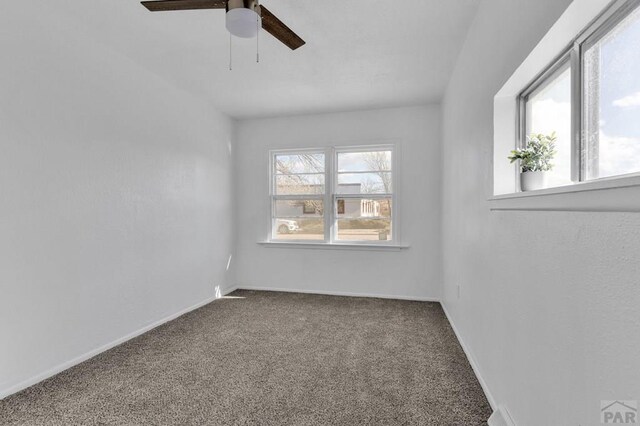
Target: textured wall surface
414,272
548,303
115,195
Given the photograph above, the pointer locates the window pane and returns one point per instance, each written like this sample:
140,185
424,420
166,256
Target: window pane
298,229
548,110
364,183
299,163
361,219
364,230
299,184
612,102
363,208
299,208
375,161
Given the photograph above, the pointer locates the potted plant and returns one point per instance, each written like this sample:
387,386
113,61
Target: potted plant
535,160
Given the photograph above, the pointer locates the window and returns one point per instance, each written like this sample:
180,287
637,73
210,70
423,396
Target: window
590,97
356,182
611,93
363,194
298,194
547,110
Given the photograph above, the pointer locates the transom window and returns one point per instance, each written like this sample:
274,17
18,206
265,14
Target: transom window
357,184
590,98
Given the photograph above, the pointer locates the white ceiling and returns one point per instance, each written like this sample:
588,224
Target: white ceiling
359,54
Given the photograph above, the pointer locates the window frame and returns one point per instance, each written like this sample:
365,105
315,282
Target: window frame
274,197
331,195
573,55
335,195
567,59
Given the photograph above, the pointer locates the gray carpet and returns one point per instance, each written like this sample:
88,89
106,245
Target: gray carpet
271,359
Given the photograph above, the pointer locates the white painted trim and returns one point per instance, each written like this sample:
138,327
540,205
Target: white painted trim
501,417
92,353
331,192
578,16
340,293
333,246
472,360
230,290
620,199
614,182
66,365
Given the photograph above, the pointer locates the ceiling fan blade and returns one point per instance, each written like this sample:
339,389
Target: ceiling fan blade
167,5
276,28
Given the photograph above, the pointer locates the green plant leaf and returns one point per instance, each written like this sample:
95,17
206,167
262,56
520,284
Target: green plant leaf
538,153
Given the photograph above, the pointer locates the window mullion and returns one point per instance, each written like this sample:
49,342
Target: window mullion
286,206
328,199
299,197
366,196
272,219
577,169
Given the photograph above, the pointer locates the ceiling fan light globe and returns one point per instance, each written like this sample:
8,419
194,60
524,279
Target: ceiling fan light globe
242,22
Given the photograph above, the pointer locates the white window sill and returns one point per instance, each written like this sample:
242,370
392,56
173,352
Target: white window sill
332,246
617,194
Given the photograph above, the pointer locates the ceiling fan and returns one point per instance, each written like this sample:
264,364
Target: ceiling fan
243,19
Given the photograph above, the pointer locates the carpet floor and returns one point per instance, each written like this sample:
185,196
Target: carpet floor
266,358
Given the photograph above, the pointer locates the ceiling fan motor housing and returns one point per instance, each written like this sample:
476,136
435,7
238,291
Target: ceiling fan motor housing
243,18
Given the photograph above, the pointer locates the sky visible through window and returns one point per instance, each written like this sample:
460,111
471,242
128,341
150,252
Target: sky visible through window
363,210
358,161
369,171
620,99
612,79
549,111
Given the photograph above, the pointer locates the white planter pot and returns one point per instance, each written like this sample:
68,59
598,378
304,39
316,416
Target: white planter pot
530,181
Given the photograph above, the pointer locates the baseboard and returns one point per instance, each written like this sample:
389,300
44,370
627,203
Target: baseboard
340,293
501,417
472,360
229,290
66,365
88,355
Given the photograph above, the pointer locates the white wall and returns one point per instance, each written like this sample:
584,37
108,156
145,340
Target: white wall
413,273
115,195
549,301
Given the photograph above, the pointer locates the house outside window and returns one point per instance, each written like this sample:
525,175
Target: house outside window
357,184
